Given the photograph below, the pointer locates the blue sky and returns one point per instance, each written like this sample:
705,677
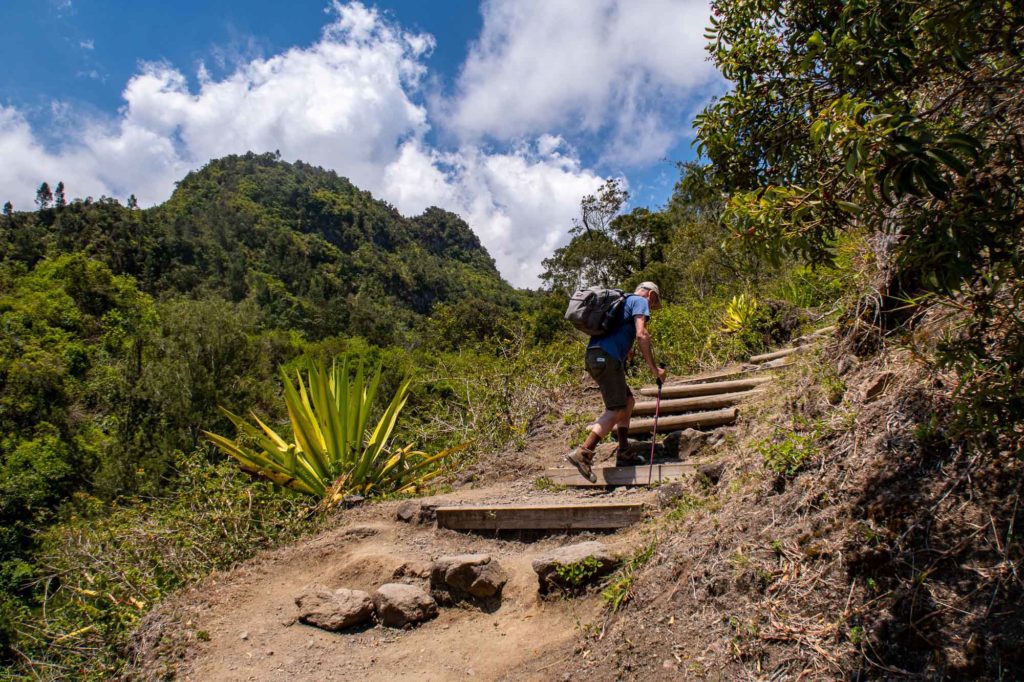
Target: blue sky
504,112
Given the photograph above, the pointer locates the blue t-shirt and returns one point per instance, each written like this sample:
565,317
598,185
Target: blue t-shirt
618,341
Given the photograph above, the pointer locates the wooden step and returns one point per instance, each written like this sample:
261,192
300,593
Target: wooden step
540,517
723,373
695,420
680,405
606,476
775,355
714,388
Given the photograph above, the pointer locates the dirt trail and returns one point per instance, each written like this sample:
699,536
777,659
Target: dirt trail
239,625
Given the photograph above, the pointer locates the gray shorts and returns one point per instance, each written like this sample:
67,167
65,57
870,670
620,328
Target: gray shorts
610,375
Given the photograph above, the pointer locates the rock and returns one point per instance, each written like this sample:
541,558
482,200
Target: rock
686,443
636,447
408,512
412,511
847,364
464,576
669,493
874,386
399,605
349,501
412,569
592,559
712,473
334,610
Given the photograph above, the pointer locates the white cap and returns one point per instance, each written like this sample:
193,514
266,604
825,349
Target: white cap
651,286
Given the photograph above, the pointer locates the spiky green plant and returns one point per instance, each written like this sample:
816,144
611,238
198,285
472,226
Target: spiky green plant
739,314
334,452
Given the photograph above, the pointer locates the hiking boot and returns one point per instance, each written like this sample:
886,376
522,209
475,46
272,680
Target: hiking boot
627,458
583,459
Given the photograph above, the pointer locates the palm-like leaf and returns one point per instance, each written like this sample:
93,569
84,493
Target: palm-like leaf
334,451
739,314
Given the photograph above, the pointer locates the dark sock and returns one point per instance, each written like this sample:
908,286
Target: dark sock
592,440
623,434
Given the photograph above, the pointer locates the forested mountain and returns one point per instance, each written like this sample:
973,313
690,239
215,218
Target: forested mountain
124,329
308,247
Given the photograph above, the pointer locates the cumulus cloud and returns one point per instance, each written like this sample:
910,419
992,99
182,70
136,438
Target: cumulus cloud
611,66
354,101
519,202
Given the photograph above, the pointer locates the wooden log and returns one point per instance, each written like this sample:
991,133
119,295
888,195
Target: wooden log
723,373
775,355
540,517
713,388
696,404
695,420
607,476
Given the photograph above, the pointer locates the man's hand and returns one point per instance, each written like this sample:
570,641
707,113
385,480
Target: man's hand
661,374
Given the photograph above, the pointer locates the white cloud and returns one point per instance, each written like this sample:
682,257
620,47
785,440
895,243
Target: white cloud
87,44
617,66
519,203
352,102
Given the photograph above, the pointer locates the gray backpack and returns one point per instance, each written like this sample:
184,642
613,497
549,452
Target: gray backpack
595,311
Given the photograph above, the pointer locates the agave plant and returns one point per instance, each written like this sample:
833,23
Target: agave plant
334,452
739,314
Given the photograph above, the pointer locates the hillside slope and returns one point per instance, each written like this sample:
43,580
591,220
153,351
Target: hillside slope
839,542
310,248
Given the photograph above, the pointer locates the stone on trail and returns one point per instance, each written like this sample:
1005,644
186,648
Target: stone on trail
399,605
415,512
712,473
593,560
333,610
463,576
874,386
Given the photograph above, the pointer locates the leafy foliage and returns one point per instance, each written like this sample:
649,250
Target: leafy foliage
100,570
786,452
899,118
620,584
739,313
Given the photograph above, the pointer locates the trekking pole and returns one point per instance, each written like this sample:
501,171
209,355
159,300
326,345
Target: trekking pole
654,436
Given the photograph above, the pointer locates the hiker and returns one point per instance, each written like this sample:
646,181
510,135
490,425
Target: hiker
606,363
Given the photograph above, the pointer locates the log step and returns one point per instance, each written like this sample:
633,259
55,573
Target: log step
680,405
540,517
775,355
695,420
724,373
607,476
713,388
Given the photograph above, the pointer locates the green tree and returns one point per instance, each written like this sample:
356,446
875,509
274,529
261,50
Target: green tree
44,196
59,200
902,119
891,115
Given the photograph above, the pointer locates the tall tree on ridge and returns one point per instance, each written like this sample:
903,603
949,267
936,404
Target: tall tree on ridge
44,196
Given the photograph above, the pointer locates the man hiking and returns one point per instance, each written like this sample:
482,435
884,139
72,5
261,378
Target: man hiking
606,363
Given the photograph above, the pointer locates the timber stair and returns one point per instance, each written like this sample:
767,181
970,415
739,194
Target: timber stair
700,401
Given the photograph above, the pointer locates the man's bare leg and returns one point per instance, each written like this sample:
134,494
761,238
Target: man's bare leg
622,425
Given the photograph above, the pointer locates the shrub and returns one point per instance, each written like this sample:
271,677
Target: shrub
100,569
331,455
787,452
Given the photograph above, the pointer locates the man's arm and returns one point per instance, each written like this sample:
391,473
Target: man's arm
643,339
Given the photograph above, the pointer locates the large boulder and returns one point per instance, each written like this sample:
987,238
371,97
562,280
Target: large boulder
470,577
399,605
574,567
334,609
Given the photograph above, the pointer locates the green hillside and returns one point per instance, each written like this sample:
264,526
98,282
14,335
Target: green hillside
309,248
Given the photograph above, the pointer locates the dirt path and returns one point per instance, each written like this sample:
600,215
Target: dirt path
240,625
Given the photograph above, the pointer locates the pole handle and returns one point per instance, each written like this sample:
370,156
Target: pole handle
662,366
